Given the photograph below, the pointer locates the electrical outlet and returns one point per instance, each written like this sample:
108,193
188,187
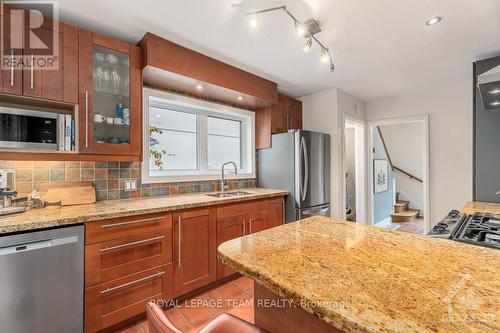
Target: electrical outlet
130,185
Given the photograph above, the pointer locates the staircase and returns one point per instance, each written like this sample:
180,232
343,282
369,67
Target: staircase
402,213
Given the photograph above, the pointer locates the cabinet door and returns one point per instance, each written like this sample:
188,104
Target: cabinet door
278,116
276,212
295,115
258,220
41,78
13,39
195,256
228,228
110,96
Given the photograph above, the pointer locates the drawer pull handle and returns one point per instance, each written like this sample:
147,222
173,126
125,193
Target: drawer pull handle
132,283
115,225
132,244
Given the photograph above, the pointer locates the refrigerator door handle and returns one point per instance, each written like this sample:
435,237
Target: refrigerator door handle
305,180
312,211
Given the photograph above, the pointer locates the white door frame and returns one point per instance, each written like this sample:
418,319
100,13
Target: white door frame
361,183
424,120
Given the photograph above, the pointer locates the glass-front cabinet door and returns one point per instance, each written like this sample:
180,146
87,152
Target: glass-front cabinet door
111,102
110,90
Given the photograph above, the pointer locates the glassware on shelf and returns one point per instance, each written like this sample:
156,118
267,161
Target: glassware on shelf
116,81
99,56
112,59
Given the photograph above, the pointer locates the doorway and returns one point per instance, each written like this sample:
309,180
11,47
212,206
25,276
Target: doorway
399,174
354,169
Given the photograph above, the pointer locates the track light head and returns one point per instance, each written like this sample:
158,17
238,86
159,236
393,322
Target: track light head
324,55
308,45
253,20
301,29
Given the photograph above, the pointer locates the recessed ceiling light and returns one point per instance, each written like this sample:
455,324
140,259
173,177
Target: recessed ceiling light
434,20
253,21
240,98
495,91
199,87
495,103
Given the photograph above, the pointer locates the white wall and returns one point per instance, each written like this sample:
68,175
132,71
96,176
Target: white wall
405,145
450,135
323,112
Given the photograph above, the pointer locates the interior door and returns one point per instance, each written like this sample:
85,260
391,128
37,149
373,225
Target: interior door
195,253
312,151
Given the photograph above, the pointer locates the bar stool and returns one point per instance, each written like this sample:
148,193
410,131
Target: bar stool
223,323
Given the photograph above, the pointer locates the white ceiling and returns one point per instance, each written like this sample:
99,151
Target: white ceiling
381,48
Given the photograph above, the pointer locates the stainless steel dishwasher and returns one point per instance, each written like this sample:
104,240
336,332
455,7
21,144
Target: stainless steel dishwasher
41,281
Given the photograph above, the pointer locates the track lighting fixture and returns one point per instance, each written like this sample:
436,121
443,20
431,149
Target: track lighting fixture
307,29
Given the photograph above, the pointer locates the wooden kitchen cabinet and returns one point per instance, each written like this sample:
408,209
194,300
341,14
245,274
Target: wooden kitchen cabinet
195,256
110,80
128,262
117,300
276,208
237,220
108,260
57,82
279,118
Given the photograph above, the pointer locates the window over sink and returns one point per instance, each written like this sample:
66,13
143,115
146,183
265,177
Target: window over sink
187,139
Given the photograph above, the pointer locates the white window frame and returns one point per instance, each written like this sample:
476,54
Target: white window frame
203,108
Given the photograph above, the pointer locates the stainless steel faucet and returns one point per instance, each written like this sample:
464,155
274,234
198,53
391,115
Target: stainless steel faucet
223,181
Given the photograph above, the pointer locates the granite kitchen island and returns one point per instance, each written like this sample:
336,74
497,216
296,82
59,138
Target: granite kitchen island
343,276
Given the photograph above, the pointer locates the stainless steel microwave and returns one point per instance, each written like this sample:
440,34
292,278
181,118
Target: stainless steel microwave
21,128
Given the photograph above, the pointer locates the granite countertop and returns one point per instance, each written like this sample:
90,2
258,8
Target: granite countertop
481,207
56,216
359,278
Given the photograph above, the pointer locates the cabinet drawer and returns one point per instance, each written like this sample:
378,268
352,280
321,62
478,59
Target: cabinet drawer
241,208
120,257
112,302
104,230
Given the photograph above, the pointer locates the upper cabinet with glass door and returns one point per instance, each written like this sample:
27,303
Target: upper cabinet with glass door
110,92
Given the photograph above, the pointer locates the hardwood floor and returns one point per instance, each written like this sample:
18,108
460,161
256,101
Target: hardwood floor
415,226
235,297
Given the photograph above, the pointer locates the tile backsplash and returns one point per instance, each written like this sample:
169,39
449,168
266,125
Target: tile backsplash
108,178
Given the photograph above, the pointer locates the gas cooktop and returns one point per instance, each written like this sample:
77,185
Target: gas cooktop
478,229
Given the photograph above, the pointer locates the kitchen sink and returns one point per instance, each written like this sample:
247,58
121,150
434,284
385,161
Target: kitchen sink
229,194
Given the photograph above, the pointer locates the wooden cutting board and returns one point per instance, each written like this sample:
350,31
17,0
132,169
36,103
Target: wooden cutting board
68,193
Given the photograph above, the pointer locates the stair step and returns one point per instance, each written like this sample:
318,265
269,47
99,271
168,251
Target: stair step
405,216
401,206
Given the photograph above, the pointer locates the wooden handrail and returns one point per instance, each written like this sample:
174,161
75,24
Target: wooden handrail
393,167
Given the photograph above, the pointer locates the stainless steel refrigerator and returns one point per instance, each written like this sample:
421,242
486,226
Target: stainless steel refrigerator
298,162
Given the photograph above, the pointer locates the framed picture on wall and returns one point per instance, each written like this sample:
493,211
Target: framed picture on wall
380,181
